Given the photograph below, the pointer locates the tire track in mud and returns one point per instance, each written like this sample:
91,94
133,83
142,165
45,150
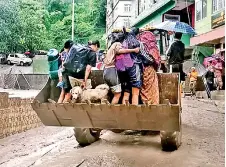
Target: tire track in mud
34,145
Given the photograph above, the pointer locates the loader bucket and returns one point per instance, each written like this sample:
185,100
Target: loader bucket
164,116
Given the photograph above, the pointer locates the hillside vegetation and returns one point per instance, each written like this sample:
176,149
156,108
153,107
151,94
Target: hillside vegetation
43,24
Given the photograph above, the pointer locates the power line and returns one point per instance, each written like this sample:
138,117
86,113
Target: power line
73,19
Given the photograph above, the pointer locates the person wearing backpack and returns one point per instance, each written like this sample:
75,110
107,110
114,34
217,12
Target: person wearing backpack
78,64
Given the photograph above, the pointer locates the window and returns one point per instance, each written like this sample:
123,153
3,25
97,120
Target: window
11,55
218,5
204,8
127,7
127,23
16,56
214,6
198,10
142,6
201,9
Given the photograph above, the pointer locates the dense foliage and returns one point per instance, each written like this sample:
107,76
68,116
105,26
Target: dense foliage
43,24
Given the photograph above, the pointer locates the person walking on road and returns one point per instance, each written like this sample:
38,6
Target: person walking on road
175,54
193,76
210,79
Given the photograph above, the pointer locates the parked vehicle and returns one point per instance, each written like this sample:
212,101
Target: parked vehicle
19,59
3,58
41,52
29,54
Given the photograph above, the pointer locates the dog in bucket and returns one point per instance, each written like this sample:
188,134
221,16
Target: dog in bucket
97,95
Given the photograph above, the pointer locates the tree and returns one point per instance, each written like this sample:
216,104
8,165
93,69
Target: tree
9,25
44,24
32,22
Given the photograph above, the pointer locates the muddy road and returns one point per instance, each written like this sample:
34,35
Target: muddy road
203,145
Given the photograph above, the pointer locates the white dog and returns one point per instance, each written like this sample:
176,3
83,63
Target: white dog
97,95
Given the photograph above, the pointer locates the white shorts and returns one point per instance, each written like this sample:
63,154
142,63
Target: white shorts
60,72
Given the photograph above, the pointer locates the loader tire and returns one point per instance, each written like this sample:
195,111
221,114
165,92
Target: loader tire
85,136
117,130
171,141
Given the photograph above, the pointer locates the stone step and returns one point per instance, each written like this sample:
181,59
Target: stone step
201,95
218,92
218,97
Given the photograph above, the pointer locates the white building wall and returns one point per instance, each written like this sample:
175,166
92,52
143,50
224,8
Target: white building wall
120,8
120,22
118,17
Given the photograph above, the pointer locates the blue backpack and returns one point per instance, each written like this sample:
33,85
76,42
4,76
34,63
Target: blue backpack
53,62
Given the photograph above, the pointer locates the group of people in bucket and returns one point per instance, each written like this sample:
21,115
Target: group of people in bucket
130,66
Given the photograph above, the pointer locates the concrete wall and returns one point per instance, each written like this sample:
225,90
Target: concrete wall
40,64
204,25
119,23
36,81
186,39
16,115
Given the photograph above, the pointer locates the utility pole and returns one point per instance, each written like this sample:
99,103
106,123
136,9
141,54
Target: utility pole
73,20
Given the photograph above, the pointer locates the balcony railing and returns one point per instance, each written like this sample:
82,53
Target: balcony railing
188,1
149,10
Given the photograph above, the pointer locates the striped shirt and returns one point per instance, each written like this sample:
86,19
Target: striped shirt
63,56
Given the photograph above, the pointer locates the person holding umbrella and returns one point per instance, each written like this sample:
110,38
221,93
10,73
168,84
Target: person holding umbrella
175,54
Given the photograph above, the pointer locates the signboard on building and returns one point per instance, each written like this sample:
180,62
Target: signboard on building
171,17
218,19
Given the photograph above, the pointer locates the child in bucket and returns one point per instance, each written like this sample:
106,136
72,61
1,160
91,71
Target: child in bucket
110,72
63,56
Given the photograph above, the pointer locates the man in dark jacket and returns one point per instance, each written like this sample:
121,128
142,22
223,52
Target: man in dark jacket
78,64
175,55
210,78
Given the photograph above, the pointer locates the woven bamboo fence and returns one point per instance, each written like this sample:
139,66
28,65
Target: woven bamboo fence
16,115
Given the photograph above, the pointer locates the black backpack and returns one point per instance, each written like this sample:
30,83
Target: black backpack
77,58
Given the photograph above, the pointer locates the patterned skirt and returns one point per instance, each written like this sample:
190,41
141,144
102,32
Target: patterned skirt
150,88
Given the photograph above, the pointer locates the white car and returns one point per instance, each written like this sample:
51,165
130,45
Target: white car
19,59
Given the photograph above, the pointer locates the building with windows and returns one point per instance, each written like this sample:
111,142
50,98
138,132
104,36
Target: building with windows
153,12
210,28
210,25
118,14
